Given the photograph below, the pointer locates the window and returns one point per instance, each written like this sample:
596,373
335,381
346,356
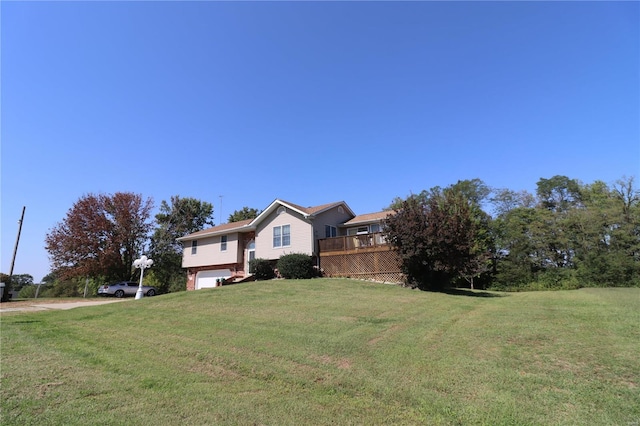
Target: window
360,230
282,236
223,243
286,235
375,227
330,231
194,246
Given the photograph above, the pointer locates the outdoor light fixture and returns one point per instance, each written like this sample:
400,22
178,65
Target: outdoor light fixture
142,263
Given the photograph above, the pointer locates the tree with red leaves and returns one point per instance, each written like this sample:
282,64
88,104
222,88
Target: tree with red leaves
439,238
100,236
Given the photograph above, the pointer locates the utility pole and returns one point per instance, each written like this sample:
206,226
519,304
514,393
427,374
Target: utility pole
7,290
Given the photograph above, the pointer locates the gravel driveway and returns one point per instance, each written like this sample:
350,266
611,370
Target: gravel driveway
62,304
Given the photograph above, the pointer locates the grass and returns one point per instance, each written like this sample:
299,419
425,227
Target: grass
328,352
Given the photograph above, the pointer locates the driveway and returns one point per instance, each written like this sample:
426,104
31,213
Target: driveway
63,305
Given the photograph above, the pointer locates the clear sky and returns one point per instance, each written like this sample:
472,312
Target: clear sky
310,102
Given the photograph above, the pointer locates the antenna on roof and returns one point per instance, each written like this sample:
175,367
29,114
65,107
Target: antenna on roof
220,219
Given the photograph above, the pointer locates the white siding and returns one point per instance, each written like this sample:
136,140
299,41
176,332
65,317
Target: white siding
209,252
301,235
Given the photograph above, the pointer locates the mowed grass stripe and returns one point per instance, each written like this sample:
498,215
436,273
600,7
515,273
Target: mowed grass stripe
328,352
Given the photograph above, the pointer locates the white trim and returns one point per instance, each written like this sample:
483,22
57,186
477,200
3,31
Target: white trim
282,244
208,278
250,250
273,207
252,226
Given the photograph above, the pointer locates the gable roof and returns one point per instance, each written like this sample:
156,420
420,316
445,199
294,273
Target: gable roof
324,207
369,218
225,228
306,212
250,224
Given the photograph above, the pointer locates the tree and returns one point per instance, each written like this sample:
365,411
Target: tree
558,193
458,233
576,235
534,238
482,253
606,234
504,200
50,278
406,231
244,214
629,196
518,248
559,196
184,216
440,239
473,190
101,235
20,280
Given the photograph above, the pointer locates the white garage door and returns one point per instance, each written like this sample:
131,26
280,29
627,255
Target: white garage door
207,279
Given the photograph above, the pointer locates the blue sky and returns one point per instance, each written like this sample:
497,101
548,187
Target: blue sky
305,101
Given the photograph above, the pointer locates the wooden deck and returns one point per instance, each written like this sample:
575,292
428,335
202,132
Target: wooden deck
352,243
366,256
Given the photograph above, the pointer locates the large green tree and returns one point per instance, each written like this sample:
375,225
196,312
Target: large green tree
20,280
504,200
182,216
244,214
533,234
606,234
558,193
574,235
516,263
100,236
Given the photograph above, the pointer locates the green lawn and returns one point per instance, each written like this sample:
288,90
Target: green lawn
328,352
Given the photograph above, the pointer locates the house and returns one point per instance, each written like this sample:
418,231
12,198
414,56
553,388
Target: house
225,251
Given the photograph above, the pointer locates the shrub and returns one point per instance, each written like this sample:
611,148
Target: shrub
169,283
177,284
296,266
67,289
262,269
27,292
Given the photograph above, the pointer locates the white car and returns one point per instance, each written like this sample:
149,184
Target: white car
125,288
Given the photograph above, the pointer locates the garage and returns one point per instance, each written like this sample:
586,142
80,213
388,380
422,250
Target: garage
207,279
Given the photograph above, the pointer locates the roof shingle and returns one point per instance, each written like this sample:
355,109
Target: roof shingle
220,228
369,217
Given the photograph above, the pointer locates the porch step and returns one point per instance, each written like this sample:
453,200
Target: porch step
244,279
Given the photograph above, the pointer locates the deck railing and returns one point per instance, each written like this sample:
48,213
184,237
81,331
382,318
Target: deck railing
352,242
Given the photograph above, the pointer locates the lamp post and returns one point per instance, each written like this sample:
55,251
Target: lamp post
142,263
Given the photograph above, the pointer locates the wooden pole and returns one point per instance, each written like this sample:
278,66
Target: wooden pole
7,290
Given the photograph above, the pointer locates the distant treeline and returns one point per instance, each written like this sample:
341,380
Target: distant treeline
566,235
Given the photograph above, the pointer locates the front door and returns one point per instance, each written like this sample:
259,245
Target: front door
251,255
